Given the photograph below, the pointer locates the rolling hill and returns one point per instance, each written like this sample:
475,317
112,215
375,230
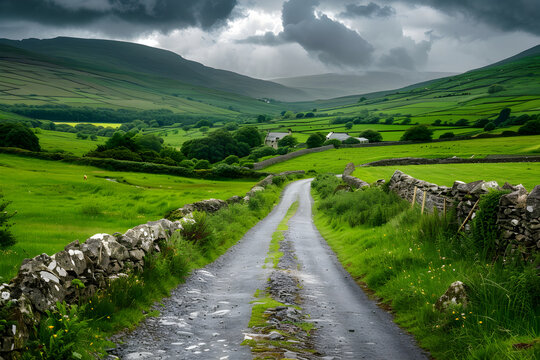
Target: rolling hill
326,86
119,56
36,79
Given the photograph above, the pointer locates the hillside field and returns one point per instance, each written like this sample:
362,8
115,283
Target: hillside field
527,174
55,206
334,160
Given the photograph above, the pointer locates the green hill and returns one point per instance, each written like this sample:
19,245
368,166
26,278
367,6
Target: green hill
118,56
31,78
467,95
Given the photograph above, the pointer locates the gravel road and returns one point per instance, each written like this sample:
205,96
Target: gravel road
205,317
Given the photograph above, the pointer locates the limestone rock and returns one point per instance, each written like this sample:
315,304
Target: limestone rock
533,203
355,183
349,169
455,295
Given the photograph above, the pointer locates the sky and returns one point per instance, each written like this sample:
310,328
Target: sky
284,38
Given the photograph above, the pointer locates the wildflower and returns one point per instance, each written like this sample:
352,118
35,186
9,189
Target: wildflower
389,267
384,235
457,319
480,321
436,326
51,327
55,336
108,317
66,330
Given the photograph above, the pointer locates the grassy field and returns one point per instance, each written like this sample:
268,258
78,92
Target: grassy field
527,174
110,125
335,160
56,206
52,141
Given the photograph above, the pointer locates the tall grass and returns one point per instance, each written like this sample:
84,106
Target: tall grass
412,259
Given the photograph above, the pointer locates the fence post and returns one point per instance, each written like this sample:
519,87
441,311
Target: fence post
423,202
414,197
444,206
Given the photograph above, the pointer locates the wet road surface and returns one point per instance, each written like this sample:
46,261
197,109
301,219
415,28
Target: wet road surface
206,317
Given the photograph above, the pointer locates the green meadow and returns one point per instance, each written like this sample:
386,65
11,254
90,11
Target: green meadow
53,141
527,174
55,205
111,125
334,160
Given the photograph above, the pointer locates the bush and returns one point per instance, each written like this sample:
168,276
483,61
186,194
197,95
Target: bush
288,140
509,133
531,127
6,237
371,135
325,184
334,142
417,133
187,164
262,152
315,140
282,150
484,231
480,123
351,141
231,159
202,164
489,126
18,135
447,135
278,180
197,231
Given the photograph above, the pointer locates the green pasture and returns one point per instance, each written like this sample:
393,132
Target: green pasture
334,160
56,206
109,125
527,174
52,141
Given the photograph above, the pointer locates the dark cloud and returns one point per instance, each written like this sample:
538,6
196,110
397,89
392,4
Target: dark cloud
144,15
506,15
407,57
331,41
369,10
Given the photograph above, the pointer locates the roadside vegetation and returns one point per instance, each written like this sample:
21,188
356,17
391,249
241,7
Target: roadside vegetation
408,261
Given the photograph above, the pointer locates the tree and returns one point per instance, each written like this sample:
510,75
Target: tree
389,121
531,127
309,115
315,140
503,116
417,133
148,142
18,135
349,125
202,123
495,89
406,121
489,126
436,122
204,129
261,118
249,135
351,141
371,135
288,140
480,123
299,115
6,237
232,126
462,122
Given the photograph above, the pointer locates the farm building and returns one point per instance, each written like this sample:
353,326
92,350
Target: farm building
344,136
272,138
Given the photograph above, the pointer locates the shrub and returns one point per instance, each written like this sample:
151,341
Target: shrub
6,237
325,184
278,180
231,159
417,133
202,164
509,133
334,142
531,127
495,89
351,141
480,123
18,135
288,140
262,152
197,231
447,135
187,164
371,135
282,150
489,126
315,140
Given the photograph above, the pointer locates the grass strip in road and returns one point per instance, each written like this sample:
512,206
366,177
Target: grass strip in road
274,254
409,260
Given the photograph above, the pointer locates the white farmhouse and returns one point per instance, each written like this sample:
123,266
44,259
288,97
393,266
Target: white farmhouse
272,138
344,136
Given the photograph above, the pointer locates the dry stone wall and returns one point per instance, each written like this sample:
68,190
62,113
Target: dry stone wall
518,216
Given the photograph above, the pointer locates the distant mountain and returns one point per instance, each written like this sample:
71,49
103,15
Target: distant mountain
326,86
119,56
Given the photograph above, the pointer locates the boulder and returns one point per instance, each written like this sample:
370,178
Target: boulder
533,203
355,183
266,181
455,295
234,199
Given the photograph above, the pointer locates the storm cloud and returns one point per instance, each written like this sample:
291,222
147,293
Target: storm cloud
369,10
161,15
512,15
332,42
